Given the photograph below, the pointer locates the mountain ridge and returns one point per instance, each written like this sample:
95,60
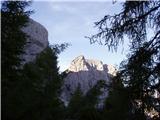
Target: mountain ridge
86,73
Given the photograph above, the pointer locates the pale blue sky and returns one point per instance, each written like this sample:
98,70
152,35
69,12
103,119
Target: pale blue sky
70,22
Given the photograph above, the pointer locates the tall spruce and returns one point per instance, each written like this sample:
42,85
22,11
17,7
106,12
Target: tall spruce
117,101
41,83
91,106
28,92
75,105
84,107
13,18
140,72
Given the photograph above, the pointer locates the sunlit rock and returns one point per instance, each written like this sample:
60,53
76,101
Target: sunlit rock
85,73
37,41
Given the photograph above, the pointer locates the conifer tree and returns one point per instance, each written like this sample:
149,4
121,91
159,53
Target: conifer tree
140,72
84,107
117,101
13,18
32,91
90,110
75,105
43,83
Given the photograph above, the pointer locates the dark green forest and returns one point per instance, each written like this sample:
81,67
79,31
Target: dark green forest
32,92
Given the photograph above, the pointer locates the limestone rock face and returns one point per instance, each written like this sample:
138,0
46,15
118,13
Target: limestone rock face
85,73
37,41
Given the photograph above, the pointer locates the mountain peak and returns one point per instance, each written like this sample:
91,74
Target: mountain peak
80,57
78,64
86,73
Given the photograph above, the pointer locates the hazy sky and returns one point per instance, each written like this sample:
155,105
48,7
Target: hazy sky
70,22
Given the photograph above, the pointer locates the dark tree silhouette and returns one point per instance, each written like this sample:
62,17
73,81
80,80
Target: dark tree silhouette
30,91
132,21
117,101
83,107
13,18
40,87
140,73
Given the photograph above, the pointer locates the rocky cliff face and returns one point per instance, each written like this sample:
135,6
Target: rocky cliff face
37,41
86,73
